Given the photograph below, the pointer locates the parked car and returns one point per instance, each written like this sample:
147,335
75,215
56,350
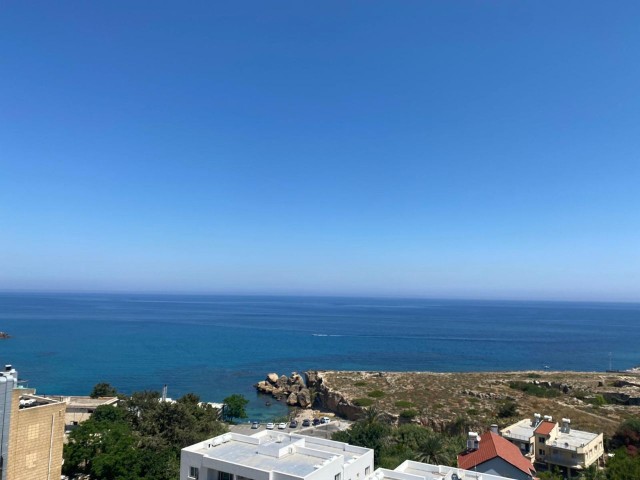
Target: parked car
325,420
306,422
282,426
270,426
293,424
255,425
316,421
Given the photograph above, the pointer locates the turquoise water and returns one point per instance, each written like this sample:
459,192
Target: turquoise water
218,345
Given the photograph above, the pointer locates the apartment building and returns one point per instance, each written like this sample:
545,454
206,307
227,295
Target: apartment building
271,455
410,470
32,432
548,443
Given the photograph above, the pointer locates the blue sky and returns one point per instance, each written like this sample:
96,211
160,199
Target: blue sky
483,149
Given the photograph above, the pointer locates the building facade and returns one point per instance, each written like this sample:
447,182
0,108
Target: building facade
274,456
33,432
547,443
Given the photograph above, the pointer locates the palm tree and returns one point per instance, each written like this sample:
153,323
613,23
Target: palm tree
370,416
433,450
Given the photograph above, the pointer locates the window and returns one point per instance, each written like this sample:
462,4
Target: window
541,452
337,477
367,470
541,439
193,472
225,476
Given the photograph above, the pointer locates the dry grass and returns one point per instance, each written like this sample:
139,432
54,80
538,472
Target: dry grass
440,398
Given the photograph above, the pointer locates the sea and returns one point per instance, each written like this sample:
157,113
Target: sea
214,346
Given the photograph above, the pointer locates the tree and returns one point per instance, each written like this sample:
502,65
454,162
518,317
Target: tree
139,438
508,409
103,390
234,406
623,466
628,435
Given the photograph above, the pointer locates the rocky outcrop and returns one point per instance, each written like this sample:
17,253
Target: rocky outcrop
293,389
330,399
4,335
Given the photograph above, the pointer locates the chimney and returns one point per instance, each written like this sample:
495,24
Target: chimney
494,428
473,441
566,425
548,418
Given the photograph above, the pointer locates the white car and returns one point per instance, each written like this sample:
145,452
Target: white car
282,426
325,420
270,426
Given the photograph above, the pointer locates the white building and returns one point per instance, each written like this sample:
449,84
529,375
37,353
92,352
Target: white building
410,470
274,456
546,442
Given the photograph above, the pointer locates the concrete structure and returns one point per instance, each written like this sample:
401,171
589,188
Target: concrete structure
410,470
548,443
491,454
271,455
32,432
36,438
79,409
8,382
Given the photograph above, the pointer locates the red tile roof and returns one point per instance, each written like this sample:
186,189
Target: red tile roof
544,428
491,446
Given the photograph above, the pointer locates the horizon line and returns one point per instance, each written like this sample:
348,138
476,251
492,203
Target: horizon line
306,295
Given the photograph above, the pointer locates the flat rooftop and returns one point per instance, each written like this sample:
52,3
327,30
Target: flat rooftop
521,430
574,439
30,401
84,401
292,454
410,470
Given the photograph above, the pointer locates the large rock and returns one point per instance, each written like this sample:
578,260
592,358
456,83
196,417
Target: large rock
282,381
293,399
304,398
296,379
272,378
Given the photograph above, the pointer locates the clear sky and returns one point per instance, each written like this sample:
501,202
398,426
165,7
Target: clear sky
482,149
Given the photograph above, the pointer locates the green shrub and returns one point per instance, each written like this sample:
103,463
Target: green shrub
376,394
535,390
360,383
534,375
404,404
472,411
409,413
508,409
363,402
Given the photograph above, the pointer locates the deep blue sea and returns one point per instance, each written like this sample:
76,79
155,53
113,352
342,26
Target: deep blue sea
218,345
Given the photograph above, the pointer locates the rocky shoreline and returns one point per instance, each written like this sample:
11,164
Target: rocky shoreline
292,389
593,400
